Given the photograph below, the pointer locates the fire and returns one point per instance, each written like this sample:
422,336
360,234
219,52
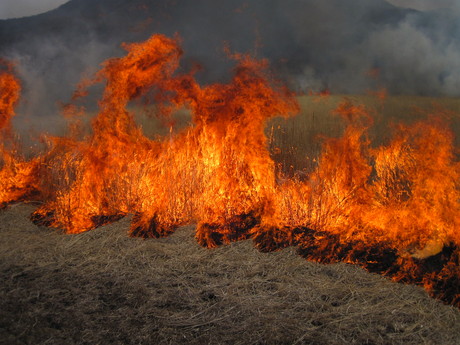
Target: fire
17,177
9,95
392,209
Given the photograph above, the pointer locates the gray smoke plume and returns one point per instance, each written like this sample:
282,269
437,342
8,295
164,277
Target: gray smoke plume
311,44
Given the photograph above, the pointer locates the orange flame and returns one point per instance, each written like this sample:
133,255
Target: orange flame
390,209
17,177
9,95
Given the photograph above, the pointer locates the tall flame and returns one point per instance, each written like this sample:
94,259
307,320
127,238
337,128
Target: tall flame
9,95
17,177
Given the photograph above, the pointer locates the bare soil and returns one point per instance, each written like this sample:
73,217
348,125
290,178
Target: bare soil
103,287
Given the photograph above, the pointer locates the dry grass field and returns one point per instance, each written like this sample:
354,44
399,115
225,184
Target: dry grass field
103,287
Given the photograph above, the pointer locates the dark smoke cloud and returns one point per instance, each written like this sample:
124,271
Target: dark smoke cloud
312,44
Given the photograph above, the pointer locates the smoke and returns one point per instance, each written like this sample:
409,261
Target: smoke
415,60
336,44
424,5
49,77
311,44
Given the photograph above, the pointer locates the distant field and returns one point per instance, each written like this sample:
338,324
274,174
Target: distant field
316,117
300,138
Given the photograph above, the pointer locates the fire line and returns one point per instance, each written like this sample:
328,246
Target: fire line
392,209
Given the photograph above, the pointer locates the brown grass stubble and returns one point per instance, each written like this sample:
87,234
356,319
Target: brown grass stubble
102,287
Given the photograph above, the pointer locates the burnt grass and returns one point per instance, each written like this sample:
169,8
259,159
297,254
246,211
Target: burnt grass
439,274
104,287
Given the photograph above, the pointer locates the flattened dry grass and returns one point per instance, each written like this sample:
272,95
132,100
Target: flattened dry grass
102,287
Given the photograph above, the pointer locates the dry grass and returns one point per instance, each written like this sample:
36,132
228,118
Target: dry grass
296,142
102,287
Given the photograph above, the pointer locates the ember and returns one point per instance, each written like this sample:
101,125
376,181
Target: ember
393,209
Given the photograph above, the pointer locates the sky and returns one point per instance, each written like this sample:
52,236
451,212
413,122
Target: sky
23,8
